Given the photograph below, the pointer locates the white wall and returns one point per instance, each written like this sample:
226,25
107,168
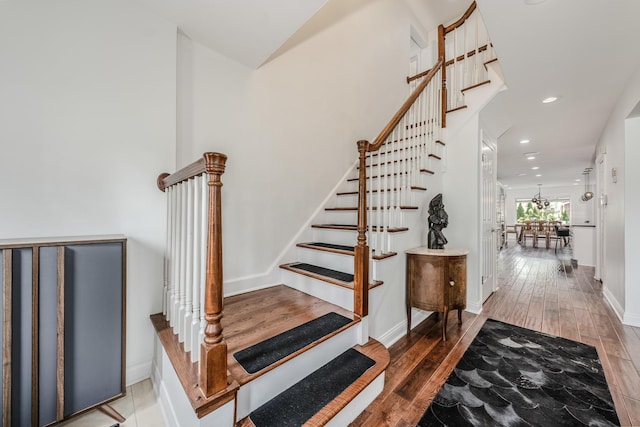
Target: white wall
461,197
581,211
620,153
290,128
87,122
632,225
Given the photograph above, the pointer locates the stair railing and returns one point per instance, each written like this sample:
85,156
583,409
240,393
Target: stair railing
466,47
193,290
395,159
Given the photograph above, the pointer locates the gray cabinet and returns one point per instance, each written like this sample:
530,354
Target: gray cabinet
63,335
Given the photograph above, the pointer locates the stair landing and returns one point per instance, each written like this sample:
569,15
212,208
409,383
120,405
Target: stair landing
256,316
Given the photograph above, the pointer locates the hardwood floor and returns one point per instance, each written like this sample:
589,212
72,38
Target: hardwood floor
534,292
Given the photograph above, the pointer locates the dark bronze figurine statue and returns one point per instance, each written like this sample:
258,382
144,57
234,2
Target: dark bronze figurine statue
438,219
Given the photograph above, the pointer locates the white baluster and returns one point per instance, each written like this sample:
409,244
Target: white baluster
183,261
167,255
188,297
176,258
193,327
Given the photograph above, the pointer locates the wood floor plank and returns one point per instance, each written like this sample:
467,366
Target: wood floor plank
535,292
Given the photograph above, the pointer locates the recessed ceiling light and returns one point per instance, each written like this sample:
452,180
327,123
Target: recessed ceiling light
535,168
550,99
522,174
539,174
524,141
575,183
531,158
578,180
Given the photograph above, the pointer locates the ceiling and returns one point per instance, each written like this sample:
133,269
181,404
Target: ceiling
581,51
245,30
578,50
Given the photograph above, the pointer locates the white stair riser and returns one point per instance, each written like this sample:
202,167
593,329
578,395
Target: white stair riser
339,237
325,259
259,391
358,404
329,292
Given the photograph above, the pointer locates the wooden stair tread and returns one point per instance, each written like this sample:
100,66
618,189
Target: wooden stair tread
351,193
355,208
375,351
328,275
353,227
435,156
462,107
486,82
253,317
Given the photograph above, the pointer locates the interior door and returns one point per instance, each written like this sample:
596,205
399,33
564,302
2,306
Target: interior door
488,207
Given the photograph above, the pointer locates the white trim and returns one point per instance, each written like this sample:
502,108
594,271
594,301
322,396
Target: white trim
400,330
475,307
631,319
615,305
138,372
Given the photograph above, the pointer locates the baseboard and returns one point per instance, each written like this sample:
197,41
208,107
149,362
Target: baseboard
400,330
475,307
138,372
248,284
631,319
614,304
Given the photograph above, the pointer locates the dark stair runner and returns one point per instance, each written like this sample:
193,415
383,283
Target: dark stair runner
267,352
294,406
334,274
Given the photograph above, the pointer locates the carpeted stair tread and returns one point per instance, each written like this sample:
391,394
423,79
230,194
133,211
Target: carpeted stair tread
322,271
353,227
329,247
303,400
270,351
328,275
341,249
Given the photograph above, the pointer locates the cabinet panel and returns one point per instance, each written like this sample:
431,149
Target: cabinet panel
21,345
48,334
93,325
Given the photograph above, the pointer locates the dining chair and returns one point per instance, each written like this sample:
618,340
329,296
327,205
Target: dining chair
529,230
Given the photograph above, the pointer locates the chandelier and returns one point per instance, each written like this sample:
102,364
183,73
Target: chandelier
539,201
588,194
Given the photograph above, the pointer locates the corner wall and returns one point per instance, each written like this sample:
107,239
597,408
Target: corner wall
87,120
290,127
620,271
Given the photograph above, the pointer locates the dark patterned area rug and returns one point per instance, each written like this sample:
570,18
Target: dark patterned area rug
511,376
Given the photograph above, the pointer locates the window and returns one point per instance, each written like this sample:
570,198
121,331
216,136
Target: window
558,210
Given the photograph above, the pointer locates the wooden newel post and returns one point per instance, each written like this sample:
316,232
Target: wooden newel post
361,250
441,54
213,351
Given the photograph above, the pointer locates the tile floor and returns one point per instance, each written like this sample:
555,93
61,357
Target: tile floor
139,407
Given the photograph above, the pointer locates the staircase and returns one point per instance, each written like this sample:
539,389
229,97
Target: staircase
302,352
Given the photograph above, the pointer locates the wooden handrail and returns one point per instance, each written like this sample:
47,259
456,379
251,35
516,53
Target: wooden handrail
419,75
377,143
194,169
460,21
